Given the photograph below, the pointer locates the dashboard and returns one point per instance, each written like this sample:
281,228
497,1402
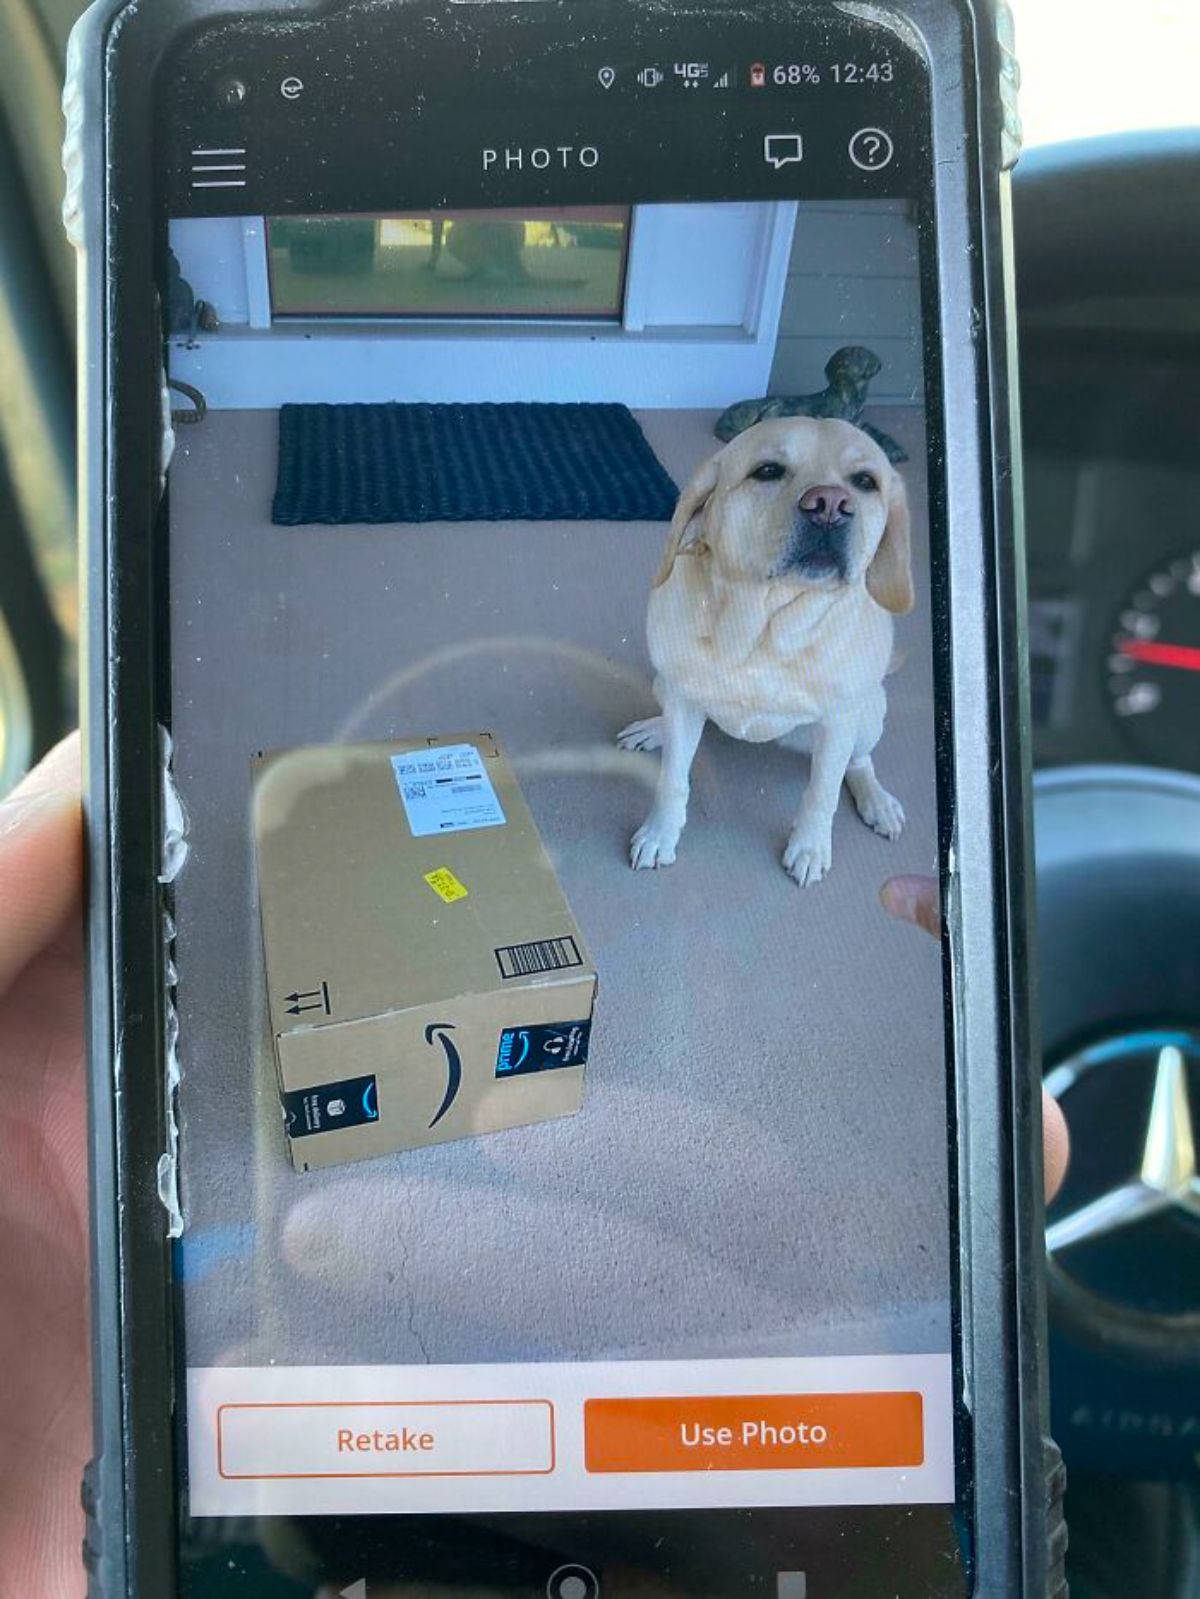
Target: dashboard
1109,316
1112,505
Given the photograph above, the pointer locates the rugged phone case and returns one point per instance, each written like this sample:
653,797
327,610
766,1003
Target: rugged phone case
130,1490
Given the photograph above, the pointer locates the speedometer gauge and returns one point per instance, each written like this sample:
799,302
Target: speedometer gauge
1153,663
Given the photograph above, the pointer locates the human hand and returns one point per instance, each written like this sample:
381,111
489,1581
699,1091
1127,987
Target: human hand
916,900
45,1419
45,1423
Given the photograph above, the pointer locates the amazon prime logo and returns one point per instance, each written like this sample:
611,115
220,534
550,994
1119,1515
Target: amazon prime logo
542,1048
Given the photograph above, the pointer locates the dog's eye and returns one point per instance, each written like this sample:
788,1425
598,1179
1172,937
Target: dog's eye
866,481
768,472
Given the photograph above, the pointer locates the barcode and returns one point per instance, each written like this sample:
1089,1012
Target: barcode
544,955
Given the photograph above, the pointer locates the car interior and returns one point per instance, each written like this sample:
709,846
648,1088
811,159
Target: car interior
1107,234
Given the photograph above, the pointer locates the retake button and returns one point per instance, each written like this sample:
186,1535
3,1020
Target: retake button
459,1438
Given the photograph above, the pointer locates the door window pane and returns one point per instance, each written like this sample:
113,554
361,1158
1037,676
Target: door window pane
463,264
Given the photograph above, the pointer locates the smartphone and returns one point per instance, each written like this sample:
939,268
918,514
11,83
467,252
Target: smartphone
552,600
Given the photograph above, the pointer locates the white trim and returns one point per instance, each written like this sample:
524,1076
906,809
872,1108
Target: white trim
265,364
258,274
671,369
769,282
639,252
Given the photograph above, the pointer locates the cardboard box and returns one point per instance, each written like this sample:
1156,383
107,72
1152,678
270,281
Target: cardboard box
425,977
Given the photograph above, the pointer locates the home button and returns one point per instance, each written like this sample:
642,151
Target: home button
573,1582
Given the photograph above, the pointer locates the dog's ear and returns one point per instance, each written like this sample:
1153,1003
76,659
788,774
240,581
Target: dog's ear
686,529
889,576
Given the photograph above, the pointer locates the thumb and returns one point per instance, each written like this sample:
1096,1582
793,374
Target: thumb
41,859
914,899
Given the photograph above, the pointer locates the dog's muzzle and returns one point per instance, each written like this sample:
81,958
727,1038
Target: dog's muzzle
820,543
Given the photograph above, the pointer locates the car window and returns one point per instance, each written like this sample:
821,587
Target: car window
1091,67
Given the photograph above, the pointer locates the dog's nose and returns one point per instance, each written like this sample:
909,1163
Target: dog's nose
826,504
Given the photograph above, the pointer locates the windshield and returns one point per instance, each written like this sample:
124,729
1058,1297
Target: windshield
1090,67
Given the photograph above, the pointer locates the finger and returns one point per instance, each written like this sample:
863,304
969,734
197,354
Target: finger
58,769
914,899
1056,1145
41,859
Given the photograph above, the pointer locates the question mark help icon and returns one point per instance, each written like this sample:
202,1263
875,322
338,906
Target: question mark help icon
607,77
871,149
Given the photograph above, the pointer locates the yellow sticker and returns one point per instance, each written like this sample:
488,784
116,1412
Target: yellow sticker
445,885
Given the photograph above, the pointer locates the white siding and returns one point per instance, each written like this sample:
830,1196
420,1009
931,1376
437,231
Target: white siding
852,279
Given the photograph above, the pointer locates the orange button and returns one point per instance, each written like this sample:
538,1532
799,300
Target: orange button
754,1432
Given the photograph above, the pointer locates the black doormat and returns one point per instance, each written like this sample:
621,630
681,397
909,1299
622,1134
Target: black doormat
460,463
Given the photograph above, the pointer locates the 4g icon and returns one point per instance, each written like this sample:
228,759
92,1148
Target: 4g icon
691,73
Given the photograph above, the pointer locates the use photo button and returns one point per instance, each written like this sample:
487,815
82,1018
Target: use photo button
754,1432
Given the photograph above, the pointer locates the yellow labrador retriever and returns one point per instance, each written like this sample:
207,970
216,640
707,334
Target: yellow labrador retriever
771,615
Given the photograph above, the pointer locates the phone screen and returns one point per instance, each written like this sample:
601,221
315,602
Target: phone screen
563,1142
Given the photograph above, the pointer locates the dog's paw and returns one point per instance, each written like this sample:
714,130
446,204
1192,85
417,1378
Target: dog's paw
645,735
882,812
807,859
653,845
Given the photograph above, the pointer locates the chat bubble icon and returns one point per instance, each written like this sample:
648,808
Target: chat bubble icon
781,149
